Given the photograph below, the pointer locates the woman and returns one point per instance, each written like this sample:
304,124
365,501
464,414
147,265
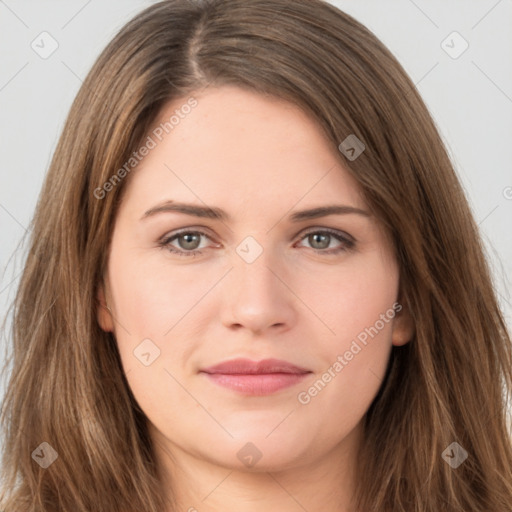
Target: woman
254,283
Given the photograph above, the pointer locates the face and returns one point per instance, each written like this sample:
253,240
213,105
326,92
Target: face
250,275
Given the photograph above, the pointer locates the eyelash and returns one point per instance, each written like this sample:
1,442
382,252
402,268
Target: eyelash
349,243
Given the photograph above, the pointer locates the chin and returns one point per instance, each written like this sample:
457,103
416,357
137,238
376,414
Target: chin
255,450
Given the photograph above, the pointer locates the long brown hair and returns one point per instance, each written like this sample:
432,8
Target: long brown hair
449,384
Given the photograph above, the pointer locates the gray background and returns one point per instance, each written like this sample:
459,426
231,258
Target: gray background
470,98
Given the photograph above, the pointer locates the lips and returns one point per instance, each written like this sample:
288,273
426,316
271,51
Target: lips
255,377
248,367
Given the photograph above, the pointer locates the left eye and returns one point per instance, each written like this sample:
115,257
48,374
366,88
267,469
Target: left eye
189,242
324,237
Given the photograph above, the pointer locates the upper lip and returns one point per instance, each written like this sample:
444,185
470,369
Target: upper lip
248,367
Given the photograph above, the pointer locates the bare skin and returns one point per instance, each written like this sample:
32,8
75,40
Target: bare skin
260,160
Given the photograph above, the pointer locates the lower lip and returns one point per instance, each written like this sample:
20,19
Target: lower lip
260,384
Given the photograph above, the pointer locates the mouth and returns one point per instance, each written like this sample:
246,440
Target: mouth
255,377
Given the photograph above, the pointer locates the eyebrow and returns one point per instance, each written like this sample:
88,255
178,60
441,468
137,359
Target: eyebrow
219,214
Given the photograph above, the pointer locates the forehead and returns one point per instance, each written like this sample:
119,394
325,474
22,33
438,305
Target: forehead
243,150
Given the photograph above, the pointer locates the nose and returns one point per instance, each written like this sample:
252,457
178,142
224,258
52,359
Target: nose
258,296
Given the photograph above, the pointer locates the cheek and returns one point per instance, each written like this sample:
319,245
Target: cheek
357,305
351,298
354,373
161,310
152,330
151,296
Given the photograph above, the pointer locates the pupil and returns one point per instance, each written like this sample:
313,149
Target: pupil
189,239
320,236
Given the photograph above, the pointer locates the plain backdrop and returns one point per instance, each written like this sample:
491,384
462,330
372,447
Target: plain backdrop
469,94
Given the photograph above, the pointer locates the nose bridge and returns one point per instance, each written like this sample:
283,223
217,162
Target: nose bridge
257,276
256,297
255,269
